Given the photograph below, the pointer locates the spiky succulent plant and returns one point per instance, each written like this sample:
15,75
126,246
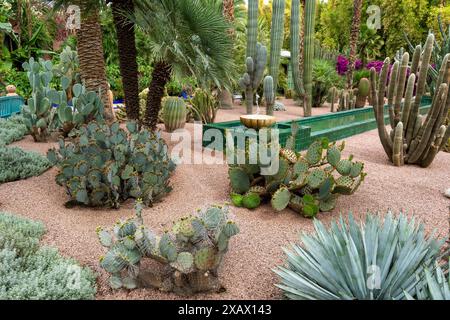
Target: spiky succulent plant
307,183
106,165
191,252
377,260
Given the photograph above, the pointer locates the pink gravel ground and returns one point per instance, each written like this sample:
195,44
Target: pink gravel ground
246,270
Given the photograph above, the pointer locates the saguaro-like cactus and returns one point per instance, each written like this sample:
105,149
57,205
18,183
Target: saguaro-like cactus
332,94
310,15
269,95
174,114
414,139
256,57
276,39
295,48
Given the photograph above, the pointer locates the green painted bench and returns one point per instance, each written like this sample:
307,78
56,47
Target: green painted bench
10,105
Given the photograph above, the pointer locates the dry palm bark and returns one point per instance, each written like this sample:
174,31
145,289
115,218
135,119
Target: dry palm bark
90,54
127,55
354,35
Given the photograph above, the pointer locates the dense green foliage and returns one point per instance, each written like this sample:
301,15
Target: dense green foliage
106,165
16,164
325,76
378,260
28,271
12,129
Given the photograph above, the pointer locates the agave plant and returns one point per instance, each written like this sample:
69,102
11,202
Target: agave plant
377,260
436,284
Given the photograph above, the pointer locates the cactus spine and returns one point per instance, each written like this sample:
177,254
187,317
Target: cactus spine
269,95
413,140
310,13
174,114
295,48
276,39
362,93
256,58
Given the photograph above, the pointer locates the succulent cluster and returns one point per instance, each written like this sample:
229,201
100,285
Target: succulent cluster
307,183
203,106
105,165
190,253
349,99
413,139
38,111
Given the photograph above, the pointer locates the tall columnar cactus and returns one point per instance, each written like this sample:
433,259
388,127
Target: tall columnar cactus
276,39
295,48
37,113
310,17
174,114
256,58
362,93
332,94
414,139
189,254
269,95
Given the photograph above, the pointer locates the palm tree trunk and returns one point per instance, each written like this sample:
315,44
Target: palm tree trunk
160,77
90,55
225,96
354,36
127,56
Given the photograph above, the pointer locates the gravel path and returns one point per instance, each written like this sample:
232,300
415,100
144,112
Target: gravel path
246,270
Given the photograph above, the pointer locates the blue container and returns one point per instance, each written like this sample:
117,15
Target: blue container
10,105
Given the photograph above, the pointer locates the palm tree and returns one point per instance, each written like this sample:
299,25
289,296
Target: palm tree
90,50
127,55
187,38
354,35
226,100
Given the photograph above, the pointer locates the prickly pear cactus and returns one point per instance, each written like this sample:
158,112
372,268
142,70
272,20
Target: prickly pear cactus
190,253
106,165
307,183
37,113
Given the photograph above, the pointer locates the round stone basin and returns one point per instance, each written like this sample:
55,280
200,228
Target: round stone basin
256,121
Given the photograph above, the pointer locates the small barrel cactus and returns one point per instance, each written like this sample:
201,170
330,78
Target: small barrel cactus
362,93
191,252
174,114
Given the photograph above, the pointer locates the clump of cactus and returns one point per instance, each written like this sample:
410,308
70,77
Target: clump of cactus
174,114
414,139
307,183
256,58
189,254
346,100
333,93
362,93
85,106
38,114
106,165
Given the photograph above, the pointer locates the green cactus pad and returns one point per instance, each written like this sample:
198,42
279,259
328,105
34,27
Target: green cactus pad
184,227
316,178
115,282
328,204
213,217
357,169
296,204
344,185
125,229
344,167
301,166
167,248
251,200
258,190
205,259
240,181
334,156
281,198
184,262
314,153
230,229
104,237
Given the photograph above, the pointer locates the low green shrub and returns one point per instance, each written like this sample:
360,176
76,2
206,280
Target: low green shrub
12,129
28,271
381,259
106,165
325,76
17,164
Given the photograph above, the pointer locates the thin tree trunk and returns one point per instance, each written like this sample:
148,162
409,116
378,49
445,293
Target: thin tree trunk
354,36
90,55
160,77
225,96
127,56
